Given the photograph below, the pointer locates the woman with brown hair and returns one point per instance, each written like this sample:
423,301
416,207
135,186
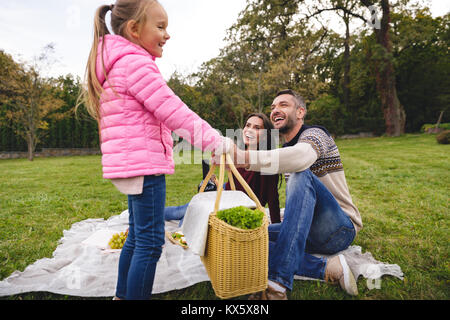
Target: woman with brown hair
256,135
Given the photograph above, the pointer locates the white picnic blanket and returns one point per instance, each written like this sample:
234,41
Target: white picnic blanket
81,266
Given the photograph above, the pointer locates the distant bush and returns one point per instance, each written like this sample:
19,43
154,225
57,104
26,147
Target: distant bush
427,126
443,137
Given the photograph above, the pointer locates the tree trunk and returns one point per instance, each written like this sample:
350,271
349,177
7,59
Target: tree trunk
394,113
346,82
30,143
440,119
260,106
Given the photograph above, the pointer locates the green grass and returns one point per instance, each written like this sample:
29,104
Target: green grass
400,185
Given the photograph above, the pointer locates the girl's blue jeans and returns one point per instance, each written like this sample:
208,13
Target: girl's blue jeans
143,247
313,223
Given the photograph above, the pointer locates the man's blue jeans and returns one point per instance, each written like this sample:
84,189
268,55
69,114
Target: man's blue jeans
143,247
313,223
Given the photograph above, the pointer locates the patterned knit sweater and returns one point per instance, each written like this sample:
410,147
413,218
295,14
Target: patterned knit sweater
315,149
328,157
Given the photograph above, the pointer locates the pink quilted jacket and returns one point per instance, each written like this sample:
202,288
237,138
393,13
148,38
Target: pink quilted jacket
137,117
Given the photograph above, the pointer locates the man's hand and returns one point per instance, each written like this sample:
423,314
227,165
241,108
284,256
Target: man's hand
240,158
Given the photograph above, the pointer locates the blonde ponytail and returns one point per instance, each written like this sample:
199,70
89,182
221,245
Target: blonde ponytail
91,93
121,12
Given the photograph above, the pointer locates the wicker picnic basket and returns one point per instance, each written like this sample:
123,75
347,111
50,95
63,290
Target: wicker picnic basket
236,260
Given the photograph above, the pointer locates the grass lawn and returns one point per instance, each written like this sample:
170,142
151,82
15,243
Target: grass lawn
400,185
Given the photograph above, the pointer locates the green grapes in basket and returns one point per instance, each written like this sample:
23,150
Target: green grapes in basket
118,240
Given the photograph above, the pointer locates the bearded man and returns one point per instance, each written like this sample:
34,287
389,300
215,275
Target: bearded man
319,215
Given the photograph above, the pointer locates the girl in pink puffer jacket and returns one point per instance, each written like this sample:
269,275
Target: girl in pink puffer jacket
136,112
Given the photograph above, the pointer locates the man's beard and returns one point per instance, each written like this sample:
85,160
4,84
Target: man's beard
288,126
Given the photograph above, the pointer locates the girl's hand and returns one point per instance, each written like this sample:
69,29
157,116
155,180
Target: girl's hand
240,157
226,146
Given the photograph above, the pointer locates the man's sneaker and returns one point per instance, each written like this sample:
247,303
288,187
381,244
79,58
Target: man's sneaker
268,294
337,270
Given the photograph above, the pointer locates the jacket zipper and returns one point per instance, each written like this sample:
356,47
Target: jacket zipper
162,141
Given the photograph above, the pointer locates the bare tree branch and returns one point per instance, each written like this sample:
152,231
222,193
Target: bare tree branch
336,8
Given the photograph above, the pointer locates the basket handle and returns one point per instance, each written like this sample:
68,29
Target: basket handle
230,172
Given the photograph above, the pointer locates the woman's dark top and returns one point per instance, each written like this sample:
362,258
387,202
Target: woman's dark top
265,188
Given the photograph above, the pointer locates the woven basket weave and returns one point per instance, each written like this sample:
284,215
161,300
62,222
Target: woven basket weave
236,260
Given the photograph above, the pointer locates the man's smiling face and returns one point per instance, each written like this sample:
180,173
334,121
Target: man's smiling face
285,113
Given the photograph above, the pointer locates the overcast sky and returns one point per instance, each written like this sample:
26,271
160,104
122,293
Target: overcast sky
197,29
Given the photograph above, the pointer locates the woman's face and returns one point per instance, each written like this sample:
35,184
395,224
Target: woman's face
252,132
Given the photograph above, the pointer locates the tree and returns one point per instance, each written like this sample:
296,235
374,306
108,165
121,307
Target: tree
268,50
345,9
381,59
271,47
383,64
421,51
69,129
29,97
262,34
297,67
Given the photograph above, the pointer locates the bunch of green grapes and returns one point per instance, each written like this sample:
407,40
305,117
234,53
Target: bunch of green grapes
118,240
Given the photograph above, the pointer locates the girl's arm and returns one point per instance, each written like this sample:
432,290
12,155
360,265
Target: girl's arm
146,84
